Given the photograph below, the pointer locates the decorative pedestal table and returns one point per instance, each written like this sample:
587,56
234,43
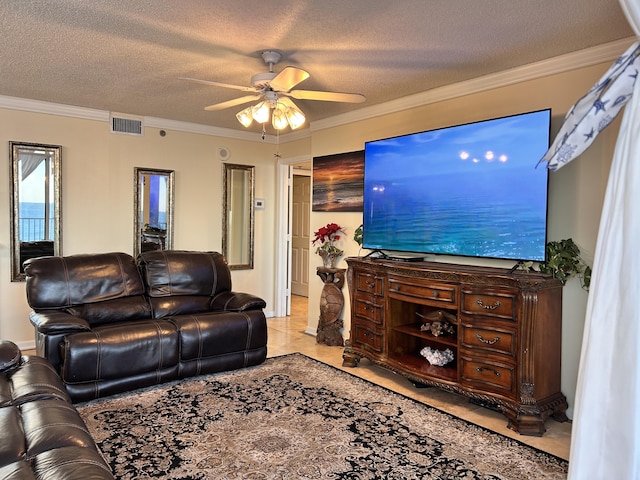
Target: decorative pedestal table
331,304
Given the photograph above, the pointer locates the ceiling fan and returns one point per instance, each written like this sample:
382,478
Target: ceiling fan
274,90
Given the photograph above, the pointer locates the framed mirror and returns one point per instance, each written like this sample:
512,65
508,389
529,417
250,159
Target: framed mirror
237,215
35,204
152,210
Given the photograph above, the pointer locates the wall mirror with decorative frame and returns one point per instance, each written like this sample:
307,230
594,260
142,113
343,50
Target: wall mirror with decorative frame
36,221
237,215
152,209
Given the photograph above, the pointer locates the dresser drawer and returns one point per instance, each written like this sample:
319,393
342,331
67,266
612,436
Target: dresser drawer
489,339
368,283
367,307
367,337
497,305
487,375
437,294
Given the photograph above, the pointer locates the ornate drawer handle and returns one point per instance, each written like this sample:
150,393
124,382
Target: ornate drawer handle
488,307
367,335
435,294
488,342
482,369
370,284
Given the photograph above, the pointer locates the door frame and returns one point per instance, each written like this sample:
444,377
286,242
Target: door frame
284,174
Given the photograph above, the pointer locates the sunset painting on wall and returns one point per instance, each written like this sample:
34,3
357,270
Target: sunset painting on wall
338,182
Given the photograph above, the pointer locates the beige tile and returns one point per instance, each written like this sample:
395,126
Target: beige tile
287,335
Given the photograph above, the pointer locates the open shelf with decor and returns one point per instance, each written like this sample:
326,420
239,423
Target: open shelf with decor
422,335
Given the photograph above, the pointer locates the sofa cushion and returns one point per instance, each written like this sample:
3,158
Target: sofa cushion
72,463
179,305
33,380
63,282
52,424
111,311
20,470
176,272
13,446
120,350
213,334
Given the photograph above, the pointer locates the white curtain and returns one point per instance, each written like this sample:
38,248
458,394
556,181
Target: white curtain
605,442
29,161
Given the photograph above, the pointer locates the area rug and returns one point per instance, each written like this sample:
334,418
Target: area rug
296,418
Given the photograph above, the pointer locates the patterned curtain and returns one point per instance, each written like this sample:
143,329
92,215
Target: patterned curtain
605,441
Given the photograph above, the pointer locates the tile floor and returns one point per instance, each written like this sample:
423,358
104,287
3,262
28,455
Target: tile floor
287,335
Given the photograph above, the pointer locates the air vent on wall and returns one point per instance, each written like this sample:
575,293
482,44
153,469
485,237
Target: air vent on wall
126,124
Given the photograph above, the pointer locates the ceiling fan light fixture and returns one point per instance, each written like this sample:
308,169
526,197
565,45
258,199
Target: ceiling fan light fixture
295,117
245,117
260,112
278,118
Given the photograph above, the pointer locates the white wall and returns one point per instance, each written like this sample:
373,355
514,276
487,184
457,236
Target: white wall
97,197
576,191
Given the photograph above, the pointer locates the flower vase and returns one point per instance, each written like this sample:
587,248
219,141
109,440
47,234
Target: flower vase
329,259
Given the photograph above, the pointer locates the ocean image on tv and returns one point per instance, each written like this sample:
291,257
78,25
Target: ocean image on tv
470,190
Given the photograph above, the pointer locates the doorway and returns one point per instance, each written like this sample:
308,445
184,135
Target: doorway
300,237
284,228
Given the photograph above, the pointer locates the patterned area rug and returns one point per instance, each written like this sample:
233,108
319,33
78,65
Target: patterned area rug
293,417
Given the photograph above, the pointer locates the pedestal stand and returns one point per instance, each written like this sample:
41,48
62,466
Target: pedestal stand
331,304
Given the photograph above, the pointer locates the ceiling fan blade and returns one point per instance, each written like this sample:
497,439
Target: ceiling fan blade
218,84
288,78
232,103
287,102
327,96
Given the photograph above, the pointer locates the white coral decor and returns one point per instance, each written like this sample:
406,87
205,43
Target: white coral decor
437,357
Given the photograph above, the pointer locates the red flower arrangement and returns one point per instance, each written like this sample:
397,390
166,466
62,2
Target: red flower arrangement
327,235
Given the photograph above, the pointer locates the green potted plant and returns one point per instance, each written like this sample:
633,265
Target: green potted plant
563,262
357,235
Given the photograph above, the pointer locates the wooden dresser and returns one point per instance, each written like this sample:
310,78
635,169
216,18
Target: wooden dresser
506,339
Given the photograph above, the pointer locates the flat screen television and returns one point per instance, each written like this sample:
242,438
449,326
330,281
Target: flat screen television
468,190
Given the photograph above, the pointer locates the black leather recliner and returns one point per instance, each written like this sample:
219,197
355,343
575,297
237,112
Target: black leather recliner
110,324
43,436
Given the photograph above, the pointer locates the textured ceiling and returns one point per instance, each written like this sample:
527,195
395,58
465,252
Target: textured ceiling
127,56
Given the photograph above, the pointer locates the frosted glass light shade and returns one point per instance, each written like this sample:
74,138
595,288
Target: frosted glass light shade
261,112
295,117
278,118
245,117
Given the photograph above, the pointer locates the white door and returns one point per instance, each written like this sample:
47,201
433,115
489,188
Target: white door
300,237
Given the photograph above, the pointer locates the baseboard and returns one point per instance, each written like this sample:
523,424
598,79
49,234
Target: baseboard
26,345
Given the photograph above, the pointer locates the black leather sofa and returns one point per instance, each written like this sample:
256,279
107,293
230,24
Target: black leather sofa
109,323
43,437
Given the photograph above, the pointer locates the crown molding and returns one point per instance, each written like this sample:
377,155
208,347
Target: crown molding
49,108
201,129
551,66
38,106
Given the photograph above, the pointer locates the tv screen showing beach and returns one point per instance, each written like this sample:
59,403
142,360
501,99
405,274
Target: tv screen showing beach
468,190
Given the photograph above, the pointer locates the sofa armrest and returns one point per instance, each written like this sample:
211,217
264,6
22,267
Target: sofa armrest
10,355
56,322
237,302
